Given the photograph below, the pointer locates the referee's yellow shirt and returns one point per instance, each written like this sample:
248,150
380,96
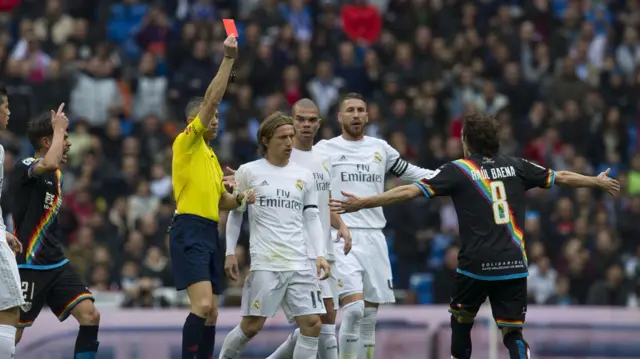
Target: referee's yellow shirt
196,174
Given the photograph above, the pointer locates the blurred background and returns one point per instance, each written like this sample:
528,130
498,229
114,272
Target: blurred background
561,76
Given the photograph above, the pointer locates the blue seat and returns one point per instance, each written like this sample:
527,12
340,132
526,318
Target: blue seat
422,285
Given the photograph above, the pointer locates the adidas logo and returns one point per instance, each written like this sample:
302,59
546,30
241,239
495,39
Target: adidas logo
343,158
264,183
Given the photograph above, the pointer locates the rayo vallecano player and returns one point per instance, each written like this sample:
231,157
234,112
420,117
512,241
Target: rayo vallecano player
359,165
307,122
10,290
281,275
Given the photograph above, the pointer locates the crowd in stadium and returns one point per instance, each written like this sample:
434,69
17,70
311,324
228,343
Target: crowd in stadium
561,76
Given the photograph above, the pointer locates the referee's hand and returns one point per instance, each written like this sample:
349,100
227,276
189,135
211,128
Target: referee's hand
229,179
14,243
231,268
323,266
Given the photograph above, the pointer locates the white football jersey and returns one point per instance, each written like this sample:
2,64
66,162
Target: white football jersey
276,241
3,228
320,169
359,168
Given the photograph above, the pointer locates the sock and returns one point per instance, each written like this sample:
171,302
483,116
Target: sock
349,334
327,343
207,343
517,346
233,344
306,347
285,350
191,335
460,339
87,342
368,332
7,341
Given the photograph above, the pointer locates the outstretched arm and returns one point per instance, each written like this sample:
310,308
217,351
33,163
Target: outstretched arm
575,180
351,203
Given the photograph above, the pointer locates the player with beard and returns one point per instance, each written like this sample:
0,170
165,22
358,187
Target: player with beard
488,193
47,277
359,165
10,290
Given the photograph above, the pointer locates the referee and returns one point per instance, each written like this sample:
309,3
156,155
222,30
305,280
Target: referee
199,192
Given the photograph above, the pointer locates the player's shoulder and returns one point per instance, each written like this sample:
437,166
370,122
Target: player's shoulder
250,166
25,162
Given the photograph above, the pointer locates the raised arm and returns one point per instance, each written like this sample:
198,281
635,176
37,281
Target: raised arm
218,85
52,159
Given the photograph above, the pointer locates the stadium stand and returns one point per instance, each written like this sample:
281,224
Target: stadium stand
561,76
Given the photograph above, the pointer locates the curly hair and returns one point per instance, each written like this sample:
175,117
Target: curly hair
480,134
38,128
268,128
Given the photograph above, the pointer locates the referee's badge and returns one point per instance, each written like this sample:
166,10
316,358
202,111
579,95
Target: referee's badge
299,185
377,157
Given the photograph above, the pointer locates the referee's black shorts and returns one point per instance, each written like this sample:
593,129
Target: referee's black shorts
195,252
508,298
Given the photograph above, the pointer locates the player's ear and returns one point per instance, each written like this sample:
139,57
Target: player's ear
340,117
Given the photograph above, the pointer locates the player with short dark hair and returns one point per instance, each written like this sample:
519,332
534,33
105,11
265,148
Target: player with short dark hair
10,288
47,277
488,192
196,256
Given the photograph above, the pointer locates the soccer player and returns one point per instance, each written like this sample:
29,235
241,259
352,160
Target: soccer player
359,165
47,277
200,194
488,192
10,291
281,275
307,122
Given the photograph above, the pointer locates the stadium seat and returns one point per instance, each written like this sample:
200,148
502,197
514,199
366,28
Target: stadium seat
422,285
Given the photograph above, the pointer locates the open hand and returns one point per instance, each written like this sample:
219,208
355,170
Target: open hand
229,181
249,196
350,203
323,266
231,268
344,233
14,243
611,185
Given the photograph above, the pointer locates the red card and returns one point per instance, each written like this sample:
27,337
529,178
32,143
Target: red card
230,27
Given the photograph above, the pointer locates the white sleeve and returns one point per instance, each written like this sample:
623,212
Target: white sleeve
234,220
311,213
403,169
242,184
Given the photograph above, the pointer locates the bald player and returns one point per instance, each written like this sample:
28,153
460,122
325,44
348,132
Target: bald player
306,123
196,256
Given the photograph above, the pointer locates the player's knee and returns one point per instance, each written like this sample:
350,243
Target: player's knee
89,316
353,313
310,326
251,326
10,316
202,307
330,317
464,317
19,332
506,331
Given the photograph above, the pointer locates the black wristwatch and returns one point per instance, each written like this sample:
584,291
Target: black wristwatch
238,199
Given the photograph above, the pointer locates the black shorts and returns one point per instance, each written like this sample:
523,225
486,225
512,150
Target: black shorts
508,298
61,289
195,252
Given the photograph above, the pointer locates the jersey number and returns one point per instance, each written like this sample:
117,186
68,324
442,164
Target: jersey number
27,291
501,211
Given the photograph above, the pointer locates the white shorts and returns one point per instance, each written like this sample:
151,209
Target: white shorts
10,286
366,269
329,286
296,292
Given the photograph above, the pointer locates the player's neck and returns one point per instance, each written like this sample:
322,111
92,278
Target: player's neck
348,137
278,162
302,145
